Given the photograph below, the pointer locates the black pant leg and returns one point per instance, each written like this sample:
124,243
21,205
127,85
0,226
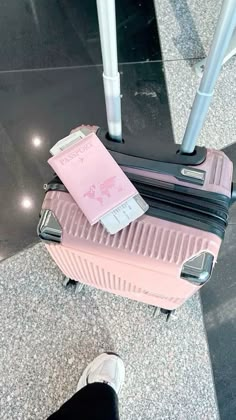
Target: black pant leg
95,401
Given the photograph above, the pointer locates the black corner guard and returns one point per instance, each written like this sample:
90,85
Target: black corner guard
233,193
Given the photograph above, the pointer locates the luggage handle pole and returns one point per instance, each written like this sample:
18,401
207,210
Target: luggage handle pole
223,33
111,77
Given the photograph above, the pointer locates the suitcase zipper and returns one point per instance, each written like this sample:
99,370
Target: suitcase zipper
187,217
192,203
208,196
168,210
212,217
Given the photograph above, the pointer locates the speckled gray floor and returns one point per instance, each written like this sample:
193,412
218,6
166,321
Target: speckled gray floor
186,29
48,334
220,126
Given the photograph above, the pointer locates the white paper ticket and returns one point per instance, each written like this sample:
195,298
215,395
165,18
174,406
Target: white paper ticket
122,215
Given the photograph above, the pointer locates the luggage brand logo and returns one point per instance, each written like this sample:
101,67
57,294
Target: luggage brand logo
76,154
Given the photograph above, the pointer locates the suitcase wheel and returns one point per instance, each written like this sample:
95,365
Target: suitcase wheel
166,314
70,283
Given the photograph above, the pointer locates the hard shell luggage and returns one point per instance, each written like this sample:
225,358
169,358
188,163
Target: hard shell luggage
165,256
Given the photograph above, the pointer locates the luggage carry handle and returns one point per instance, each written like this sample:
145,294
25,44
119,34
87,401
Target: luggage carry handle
111,78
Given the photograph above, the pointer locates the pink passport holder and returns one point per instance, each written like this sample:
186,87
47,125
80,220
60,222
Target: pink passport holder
93,178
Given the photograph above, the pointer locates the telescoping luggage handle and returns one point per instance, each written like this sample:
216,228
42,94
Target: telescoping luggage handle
111,78
223,34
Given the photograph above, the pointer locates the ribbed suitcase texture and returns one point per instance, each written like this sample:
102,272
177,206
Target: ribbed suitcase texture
142,262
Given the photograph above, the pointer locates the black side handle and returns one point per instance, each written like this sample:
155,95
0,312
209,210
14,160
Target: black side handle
233,193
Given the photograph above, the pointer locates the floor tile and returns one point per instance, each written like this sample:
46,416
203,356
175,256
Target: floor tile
219,309
48,334
58,33
230,151
186,27
46,105
219,303
192,35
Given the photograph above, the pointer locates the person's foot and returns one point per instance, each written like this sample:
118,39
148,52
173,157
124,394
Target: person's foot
107,368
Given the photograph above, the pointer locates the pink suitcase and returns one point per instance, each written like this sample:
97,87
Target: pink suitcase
152,260
168,254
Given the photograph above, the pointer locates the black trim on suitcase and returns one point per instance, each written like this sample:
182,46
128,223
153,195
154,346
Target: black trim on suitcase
169,154
208,215
211,196
180,172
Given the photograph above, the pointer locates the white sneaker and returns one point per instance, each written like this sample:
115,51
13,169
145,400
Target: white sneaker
107,368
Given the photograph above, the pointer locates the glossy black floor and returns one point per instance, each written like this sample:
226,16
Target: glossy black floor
60,33
50,81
